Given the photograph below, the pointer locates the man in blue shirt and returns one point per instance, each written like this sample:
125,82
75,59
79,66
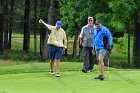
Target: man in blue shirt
98,45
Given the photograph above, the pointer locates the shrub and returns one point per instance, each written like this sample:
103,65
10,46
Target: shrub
19,55
123,43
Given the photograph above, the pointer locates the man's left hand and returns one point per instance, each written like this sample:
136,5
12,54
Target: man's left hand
109,48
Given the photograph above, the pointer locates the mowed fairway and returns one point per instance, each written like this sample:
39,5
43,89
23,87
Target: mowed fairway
35,80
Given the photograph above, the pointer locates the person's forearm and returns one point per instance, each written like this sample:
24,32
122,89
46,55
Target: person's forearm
44,24
81,40
65,42
47,25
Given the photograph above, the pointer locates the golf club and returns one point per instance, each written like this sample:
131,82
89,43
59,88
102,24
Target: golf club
81,57
108,69
67,67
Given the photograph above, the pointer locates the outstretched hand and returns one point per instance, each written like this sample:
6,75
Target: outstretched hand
41,21
64,49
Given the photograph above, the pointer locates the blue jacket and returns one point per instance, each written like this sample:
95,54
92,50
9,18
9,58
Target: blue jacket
98,38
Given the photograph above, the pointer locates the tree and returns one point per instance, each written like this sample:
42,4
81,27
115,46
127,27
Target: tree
5,30
74,17
4,24
136,48
35,26
109,11
129,15
45,48
43,30
1,26
11,23
128,12
26,42
49,12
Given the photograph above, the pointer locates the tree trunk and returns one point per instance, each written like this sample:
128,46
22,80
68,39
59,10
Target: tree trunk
45,49
1,33
5,24
42,38
42,29
11,24
26,43
35,26
136,48
75,45
128,47
5,37
1,26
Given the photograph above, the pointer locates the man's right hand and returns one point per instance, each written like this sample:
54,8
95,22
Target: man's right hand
93,52
41,21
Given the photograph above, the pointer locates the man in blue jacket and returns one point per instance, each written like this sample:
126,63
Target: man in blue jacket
98,45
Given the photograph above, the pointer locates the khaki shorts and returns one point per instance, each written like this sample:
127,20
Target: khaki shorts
100,54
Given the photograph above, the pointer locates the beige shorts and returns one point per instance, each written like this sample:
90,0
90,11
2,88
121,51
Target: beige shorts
100,54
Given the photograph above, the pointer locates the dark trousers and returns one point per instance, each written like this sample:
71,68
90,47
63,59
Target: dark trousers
88,58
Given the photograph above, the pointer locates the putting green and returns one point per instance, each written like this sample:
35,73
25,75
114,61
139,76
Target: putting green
71,82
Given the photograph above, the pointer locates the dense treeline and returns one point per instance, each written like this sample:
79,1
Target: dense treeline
120,16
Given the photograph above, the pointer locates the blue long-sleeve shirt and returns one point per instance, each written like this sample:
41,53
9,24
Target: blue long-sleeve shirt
98,38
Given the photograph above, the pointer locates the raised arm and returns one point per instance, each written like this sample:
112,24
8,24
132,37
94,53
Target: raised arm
47,25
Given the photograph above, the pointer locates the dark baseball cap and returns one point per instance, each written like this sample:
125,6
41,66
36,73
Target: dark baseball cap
98,21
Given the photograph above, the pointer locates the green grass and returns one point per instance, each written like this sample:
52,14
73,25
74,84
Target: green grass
17,42
34,78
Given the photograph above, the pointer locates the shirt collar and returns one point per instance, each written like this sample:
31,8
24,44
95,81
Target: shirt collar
92,26
100,28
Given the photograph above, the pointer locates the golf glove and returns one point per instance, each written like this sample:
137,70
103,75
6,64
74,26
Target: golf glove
109,48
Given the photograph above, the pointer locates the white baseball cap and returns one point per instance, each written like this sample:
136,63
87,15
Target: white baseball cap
90,18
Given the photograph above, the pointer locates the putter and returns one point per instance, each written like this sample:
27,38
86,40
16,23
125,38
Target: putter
80,58
67,66
108,70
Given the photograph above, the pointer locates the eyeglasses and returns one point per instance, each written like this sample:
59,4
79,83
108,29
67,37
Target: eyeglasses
90,20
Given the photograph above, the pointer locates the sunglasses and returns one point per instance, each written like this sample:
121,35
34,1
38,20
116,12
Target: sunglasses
96,23
90,20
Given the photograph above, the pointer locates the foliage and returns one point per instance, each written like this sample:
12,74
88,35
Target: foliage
74,15
119,17
119,53
110,11
17,55
123,44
